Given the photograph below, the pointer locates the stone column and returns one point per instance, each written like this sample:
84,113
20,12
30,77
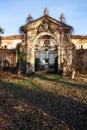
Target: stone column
30,57
59,51
70,57
32,61
58,59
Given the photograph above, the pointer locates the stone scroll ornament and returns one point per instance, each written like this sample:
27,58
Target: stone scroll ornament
44,27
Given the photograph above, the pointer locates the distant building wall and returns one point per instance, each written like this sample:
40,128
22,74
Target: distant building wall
79,41
9,44
8,57
81,60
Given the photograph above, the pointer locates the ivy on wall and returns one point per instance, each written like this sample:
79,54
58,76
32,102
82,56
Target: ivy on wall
21,58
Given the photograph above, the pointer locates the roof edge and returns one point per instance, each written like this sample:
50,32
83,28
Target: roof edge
12,37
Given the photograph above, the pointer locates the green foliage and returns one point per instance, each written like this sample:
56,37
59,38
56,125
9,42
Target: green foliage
21,59
1,31
21,55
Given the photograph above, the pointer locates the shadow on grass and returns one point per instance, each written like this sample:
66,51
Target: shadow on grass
61,80
60,107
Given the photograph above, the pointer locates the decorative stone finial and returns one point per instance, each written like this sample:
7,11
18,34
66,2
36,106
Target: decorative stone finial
46,12
62,18
29,19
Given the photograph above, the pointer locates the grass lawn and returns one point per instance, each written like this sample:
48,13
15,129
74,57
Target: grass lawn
42,102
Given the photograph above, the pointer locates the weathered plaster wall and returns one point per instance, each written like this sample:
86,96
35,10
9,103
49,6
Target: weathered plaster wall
79,41
10,42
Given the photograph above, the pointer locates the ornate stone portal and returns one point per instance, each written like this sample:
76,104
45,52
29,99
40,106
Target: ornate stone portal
46,39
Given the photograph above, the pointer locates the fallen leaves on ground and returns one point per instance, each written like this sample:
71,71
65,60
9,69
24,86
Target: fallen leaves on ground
16,115
42,102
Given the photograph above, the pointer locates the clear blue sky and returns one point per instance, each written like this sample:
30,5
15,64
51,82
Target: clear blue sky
13,13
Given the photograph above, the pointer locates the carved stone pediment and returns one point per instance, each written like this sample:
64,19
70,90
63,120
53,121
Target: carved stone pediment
47,26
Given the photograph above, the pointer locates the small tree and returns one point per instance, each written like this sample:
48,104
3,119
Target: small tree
2,58
1,30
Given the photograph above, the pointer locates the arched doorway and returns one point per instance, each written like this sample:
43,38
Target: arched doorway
46,53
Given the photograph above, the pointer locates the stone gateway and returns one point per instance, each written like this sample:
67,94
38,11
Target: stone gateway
48,45
47,40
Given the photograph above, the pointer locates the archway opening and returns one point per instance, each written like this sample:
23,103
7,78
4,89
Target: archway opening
46,54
